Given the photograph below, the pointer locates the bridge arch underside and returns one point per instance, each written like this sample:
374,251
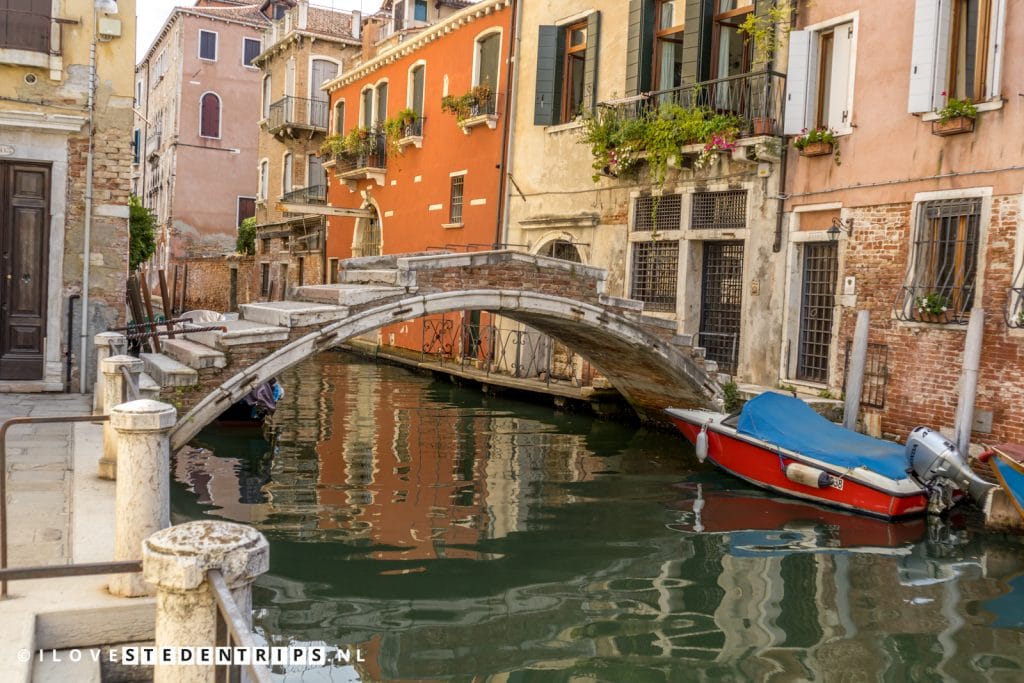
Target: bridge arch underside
648,371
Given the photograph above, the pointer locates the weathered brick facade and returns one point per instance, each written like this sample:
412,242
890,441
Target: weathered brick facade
208,282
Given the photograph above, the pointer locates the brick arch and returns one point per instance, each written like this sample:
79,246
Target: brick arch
642,362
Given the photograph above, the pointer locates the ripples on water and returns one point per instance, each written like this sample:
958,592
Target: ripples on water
452,536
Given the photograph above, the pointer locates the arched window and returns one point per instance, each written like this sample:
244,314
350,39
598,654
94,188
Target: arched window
367,236
488,49
339,117
561,249
264,170
416,85
209,116
367,106
381,112
287,170
266,96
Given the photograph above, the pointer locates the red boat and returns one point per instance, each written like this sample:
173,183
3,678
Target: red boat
781,444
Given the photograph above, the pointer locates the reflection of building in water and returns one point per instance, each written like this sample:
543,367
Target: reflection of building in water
234,485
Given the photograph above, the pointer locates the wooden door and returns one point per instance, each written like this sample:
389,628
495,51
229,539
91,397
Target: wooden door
24,227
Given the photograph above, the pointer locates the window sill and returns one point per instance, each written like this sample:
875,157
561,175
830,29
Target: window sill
414,140
16,57
991,105
490,120
452,226
561,127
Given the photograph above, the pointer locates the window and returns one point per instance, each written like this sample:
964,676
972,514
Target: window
946,252
367,106
264,171
668,44
657,214
246,209
266,96
287,173
957,52
208,45
321,71
726,210
250,50
136,141
455,208
730,50
339,117
820,80
654,273
488,50
316,176
420,10
25,25
399,15
138,94
417,79
566,71
265,276
381,112
209,116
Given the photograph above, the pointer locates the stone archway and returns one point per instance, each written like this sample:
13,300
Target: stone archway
367,238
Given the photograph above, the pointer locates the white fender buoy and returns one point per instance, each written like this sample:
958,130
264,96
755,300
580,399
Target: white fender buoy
807,475
702,444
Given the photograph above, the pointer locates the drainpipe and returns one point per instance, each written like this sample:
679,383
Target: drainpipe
87,237
510,113
71,341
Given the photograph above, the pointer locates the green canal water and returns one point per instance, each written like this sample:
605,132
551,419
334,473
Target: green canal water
438,534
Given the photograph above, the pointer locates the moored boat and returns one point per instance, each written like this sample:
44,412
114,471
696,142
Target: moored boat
1007,464
780,443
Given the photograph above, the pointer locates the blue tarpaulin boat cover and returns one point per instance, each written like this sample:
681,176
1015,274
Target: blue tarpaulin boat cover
790,423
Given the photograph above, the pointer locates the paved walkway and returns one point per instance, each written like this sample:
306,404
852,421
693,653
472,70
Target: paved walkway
39,477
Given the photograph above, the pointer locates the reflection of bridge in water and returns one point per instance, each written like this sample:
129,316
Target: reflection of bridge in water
436,538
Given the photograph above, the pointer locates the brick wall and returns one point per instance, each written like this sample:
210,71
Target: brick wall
925,361
209,281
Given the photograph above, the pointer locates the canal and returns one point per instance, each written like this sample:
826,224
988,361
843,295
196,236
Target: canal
441,534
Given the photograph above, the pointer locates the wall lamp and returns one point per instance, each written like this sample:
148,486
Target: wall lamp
106,6
838,225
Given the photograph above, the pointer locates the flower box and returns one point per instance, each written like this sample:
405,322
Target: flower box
954,126
939,318
816,149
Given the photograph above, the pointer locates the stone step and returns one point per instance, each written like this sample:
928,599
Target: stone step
292,314
64,665
192,354
168,372
148,387
369,277
347,294
239,333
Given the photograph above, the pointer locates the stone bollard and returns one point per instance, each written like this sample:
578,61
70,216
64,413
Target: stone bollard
107,344
142,501
176,561
115,392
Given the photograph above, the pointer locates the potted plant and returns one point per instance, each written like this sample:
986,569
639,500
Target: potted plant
818,142
473,103
956,117
1020,316
932,308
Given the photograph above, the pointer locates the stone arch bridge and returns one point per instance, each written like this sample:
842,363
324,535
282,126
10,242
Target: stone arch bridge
642,356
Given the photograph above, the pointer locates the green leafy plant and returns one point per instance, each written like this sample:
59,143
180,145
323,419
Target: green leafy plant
731,397
141,233
819,134
1020,317
246,241
767,29
356,141
468,104
825,393
782,386
397,127
955,109
932,304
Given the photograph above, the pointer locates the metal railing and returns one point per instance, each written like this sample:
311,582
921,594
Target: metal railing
314,194
371,154
724,352
414,128
298,111
486,105
523,354
1015,307
41,572
233,631
938,305
758,98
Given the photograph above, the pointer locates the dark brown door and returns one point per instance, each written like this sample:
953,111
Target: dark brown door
24,225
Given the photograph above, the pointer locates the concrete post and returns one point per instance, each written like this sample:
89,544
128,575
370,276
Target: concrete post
176,561
107,344
142,499
969,380
855,378
115,392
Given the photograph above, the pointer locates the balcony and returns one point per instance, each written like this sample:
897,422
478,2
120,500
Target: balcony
757,98
295,115
369,161
412,134
483,111
316,194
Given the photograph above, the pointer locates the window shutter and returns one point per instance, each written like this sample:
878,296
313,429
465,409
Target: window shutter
839,106
798,81
995,58
639,46
549,75
590,64
929,55
692,42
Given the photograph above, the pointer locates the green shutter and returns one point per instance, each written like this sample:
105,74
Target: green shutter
549,76
639,46
590,64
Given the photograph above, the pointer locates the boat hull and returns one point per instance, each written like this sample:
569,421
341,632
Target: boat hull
1007,463
762,465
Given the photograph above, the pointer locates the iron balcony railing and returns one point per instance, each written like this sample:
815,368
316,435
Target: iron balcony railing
484,105
315,194
942,304
758,98
414,128
372,153
298,112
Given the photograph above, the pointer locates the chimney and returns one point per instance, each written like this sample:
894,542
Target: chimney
357,23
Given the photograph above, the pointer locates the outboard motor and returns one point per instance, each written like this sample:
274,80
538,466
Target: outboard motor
939,466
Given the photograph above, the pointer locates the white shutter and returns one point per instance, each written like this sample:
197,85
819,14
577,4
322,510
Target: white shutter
929,55
995,54
797,81
839,114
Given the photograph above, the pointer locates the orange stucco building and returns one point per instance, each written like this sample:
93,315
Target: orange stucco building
435,181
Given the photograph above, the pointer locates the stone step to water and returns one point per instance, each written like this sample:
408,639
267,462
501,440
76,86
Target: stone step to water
148,387
239,333
168,372
196,356
347,294
292,314
373,277
61,665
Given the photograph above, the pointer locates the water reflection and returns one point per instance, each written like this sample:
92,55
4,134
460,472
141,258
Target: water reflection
452,536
